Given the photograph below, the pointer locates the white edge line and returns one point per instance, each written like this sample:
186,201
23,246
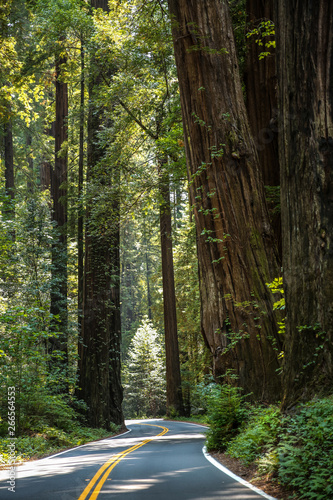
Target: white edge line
80,446
231,474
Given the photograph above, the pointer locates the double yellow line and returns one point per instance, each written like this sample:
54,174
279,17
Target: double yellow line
105,470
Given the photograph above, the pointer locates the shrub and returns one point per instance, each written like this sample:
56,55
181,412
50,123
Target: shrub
258,436
306,450
226,411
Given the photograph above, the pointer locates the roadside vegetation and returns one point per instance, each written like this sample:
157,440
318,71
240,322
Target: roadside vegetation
55,426
293,449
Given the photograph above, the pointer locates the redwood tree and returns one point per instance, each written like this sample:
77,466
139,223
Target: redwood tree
236,248
99,350
59,211
173,376
9,159
305,69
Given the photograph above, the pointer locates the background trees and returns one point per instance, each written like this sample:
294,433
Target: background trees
144,373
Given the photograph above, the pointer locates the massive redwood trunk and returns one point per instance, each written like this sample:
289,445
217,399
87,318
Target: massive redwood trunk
235,241
173,377
261,102
305,69
99,350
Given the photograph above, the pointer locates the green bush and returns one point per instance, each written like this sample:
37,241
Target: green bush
225,411
258,436
297,449
305,450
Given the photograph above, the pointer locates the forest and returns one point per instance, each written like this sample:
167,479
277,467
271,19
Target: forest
166,223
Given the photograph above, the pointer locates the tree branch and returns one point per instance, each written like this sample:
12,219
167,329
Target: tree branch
139,122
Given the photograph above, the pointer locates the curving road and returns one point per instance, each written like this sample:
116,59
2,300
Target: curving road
156,459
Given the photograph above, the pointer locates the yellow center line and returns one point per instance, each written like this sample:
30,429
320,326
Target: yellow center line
111,463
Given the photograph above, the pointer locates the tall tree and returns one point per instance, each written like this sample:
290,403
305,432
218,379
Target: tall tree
99,351
305,69
59,210
235,241
9,162
173,377
80,234
144,373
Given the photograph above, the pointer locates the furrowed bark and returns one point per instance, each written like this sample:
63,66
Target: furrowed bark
236,248
305,69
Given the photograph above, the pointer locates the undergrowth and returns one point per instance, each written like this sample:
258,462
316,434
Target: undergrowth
46,424
49,440
296,450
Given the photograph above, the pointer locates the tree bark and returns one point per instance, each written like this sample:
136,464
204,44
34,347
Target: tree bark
261,102
173,376
149,301
236,249
80,234
99,351
9,208
59,214
305,69
9,160
45,172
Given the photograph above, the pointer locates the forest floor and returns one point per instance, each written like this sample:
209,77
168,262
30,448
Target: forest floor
250,474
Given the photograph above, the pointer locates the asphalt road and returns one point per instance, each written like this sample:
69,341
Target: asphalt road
156,459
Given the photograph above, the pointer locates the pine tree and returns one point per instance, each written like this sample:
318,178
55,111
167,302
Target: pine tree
144,374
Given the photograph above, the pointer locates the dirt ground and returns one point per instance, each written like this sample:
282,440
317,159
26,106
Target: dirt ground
249,474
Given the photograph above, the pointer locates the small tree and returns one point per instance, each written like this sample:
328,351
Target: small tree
144,373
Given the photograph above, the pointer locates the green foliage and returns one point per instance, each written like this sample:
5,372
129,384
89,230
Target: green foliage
276,287
194,356
144,374
257,436
225,410
296,449
306,450
264,36
49,440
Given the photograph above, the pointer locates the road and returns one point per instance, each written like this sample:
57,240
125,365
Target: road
156,459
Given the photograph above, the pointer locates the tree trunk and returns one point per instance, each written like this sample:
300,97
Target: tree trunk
9,160
30,181
261,101
9,208
46,167
173,377
99,351
236,250
80,234
305,69
59,214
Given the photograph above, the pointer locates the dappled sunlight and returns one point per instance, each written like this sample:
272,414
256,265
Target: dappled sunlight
181,437
172,482
132,485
